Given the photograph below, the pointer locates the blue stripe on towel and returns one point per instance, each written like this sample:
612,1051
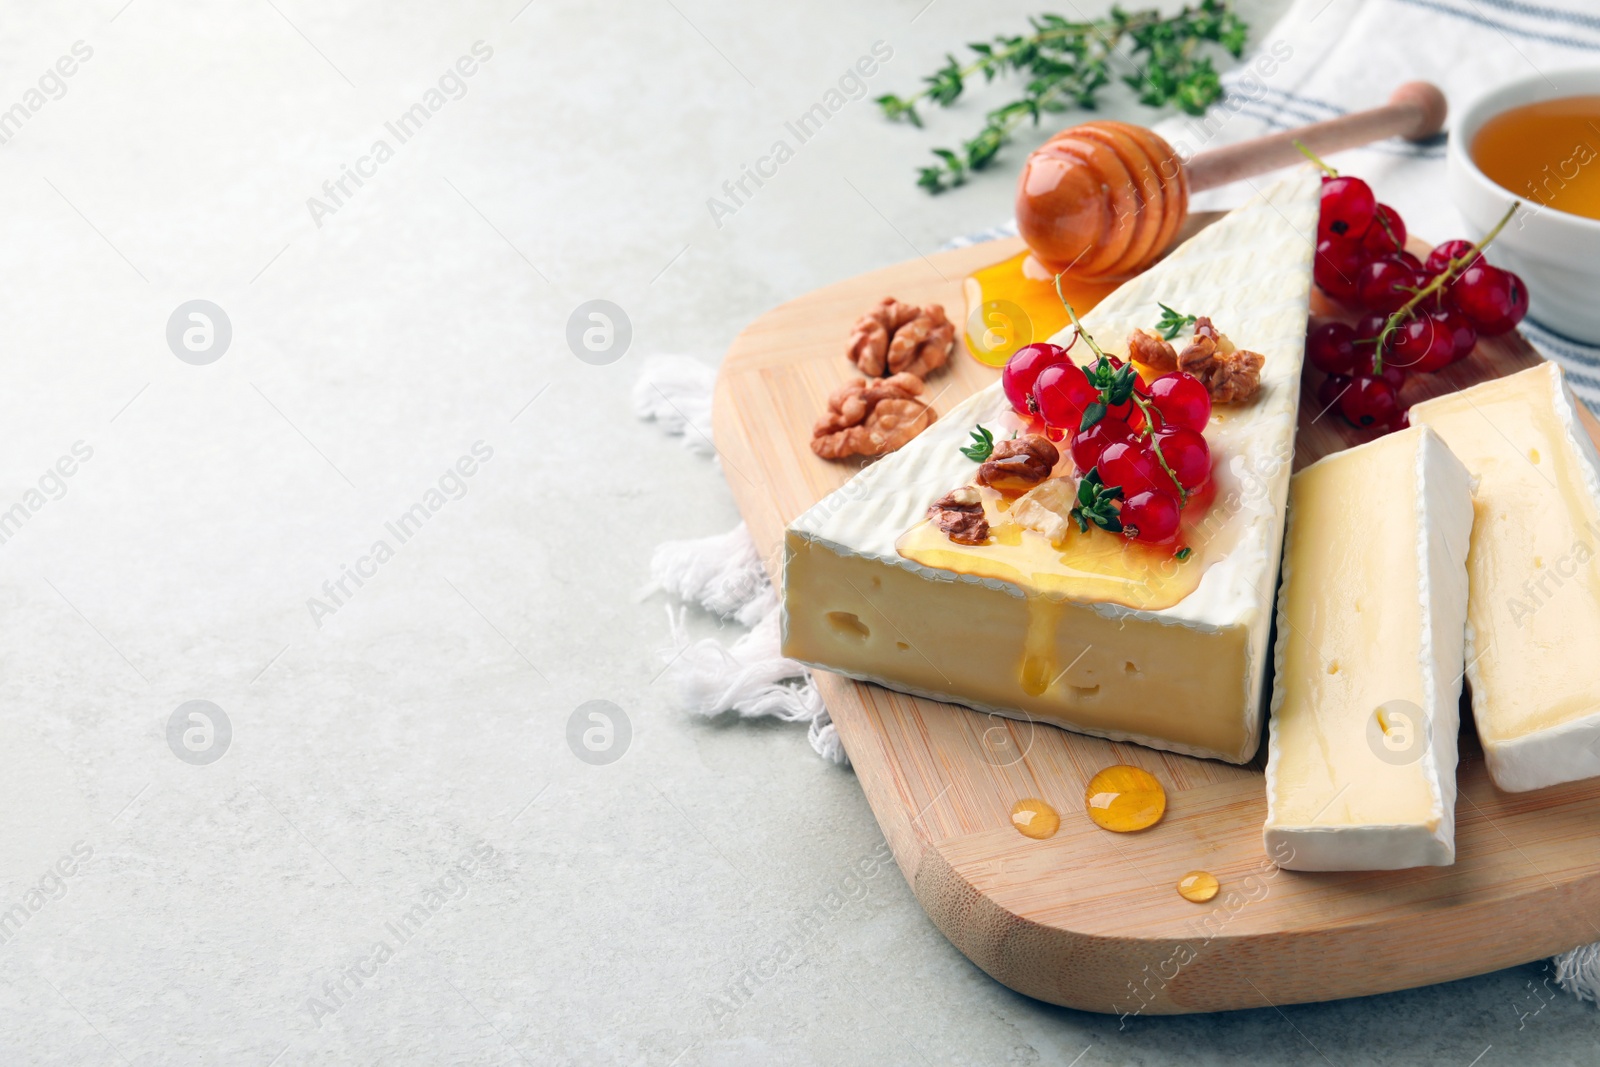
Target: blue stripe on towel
1552,14
1309,101
1503,27
1305,103
1301,115
1564,347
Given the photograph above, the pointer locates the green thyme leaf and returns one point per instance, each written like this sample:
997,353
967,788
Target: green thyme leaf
1096,502
1091,415
1087,485
946,83
1172,322
1121,386
1183,553
982,445
895,108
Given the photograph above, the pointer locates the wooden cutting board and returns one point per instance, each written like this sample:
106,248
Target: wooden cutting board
1092,919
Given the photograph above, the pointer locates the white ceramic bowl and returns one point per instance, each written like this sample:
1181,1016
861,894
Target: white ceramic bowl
1556,253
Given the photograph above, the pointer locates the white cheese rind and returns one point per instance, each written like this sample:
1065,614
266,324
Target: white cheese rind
1570,751
1439,489
1250,272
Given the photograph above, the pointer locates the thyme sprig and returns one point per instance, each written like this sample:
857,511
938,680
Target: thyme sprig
1066,64
982,446
1095,500
1172,322
1452,270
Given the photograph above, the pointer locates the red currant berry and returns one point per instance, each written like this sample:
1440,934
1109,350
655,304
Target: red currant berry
1187,453
1394,375
1442,255
1422,343
1462,335
1133,466
1062,391
1337,268
1331,348
1450,331
1438,300
1181,400
1331,389
1401,421
1369,401
1150,518
1386,234
1516,307
1087,447
1482,291
1409,342
1441,348
1021,373
1370,325
1347,209
1388,282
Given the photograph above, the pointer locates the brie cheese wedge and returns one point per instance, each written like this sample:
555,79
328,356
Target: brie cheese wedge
1361,758
1166,653
1534,612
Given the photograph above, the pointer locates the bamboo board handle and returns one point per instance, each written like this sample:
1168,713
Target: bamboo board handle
1415,111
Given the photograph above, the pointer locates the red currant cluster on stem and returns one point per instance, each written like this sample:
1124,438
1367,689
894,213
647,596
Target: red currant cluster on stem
1139,446
1419,316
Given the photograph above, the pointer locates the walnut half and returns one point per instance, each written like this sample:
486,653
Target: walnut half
1152,350
871,417
1229,374
959,513
1017,465
897,338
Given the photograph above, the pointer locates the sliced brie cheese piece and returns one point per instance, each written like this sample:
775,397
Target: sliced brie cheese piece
1014,640
1534,615
1361,758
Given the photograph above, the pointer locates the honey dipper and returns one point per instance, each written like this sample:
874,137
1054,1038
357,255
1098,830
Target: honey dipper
1104,200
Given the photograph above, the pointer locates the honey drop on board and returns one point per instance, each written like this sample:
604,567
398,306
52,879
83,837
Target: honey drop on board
1198,886
1034,818
1125,799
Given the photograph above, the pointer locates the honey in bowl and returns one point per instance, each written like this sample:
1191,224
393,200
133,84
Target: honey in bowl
1546,152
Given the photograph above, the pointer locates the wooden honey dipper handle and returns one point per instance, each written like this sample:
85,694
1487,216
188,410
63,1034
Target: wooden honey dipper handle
1104,200
1415,111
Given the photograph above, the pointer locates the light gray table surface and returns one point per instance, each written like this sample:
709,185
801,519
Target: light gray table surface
397,857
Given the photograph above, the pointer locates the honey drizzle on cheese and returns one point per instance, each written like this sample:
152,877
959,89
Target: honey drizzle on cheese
1093,566
1039,646
1014,302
